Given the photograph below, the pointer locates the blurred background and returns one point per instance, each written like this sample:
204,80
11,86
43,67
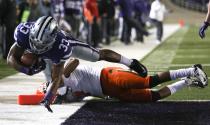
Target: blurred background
97,22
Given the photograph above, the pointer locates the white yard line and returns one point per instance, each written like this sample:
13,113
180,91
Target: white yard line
168,54
187,65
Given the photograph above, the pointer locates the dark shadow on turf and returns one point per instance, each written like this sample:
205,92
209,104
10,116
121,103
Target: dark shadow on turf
159,113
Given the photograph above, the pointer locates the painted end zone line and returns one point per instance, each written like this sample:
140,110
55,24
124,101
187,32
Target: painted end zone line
185,65
188,101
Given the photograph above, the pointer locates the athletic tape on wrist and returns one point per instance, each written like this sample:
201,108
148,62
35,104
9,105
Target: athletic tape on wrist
206,23
49,96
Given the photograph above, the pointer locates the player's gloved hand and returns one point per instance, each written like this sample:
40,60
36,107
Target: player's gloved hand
61,95
202,29
139,68
46,104
47,101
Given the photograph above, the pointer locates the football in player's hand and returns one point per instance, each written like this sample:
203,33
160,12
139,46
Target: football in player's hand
29,59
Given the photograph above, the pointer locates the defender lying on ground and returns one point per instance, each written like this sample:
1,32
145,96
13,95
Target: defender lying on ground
81,81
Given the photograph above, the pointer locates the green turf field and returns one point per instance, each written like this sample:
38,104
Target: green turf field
5,70
183,49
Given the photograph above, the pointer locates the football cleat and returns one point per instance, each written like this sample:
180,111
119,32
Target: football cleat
139,68
200,75
193,82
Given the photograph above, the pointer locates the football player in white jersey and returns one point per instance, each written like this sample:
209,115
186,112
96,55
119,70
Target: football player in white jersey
81,81
45,39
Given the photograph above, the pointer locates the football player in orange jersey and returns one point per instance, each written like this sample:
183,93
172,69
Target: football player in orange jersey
81,81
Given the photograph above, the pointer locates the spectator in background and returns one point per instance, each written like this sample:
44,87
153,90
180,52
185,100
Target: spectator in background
204,2
73,14
45,7
91,8
21,6
8,20
156,15
57,11
127,8
141,14
29,11
107,10
34,10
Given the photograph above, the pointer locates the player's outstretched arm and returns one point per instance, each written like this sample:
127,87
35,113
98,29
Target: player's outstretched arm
70,67
65,90
14,56
57,73
206,23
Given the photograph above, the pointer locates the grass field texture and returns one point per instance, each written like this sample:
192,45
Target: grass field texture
5,70
181,50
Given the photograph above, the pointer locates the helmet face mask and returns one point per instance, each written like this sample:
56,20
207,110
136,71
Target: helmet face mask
42,34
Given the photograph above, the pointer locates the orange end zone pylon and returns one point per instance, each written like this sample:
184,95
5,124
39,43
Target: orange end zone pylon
33,99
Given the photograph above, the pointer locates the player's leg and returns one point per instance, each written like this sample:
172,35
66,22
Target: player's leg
159,30
128,80
111,88
173,88
148,95
135,95
124,79
111,56
195,71
86,52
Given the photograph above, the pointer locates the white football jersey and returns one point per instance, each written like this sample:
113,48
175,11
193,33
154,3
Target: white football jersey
85,80
157,11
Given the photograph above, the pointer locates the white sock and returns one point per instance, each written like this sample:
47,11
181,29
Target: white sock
177,86
180,73
125,61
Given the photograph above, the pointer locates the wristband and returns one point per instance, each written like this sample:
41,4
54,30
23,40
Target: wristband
24,70
49,96
206,23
